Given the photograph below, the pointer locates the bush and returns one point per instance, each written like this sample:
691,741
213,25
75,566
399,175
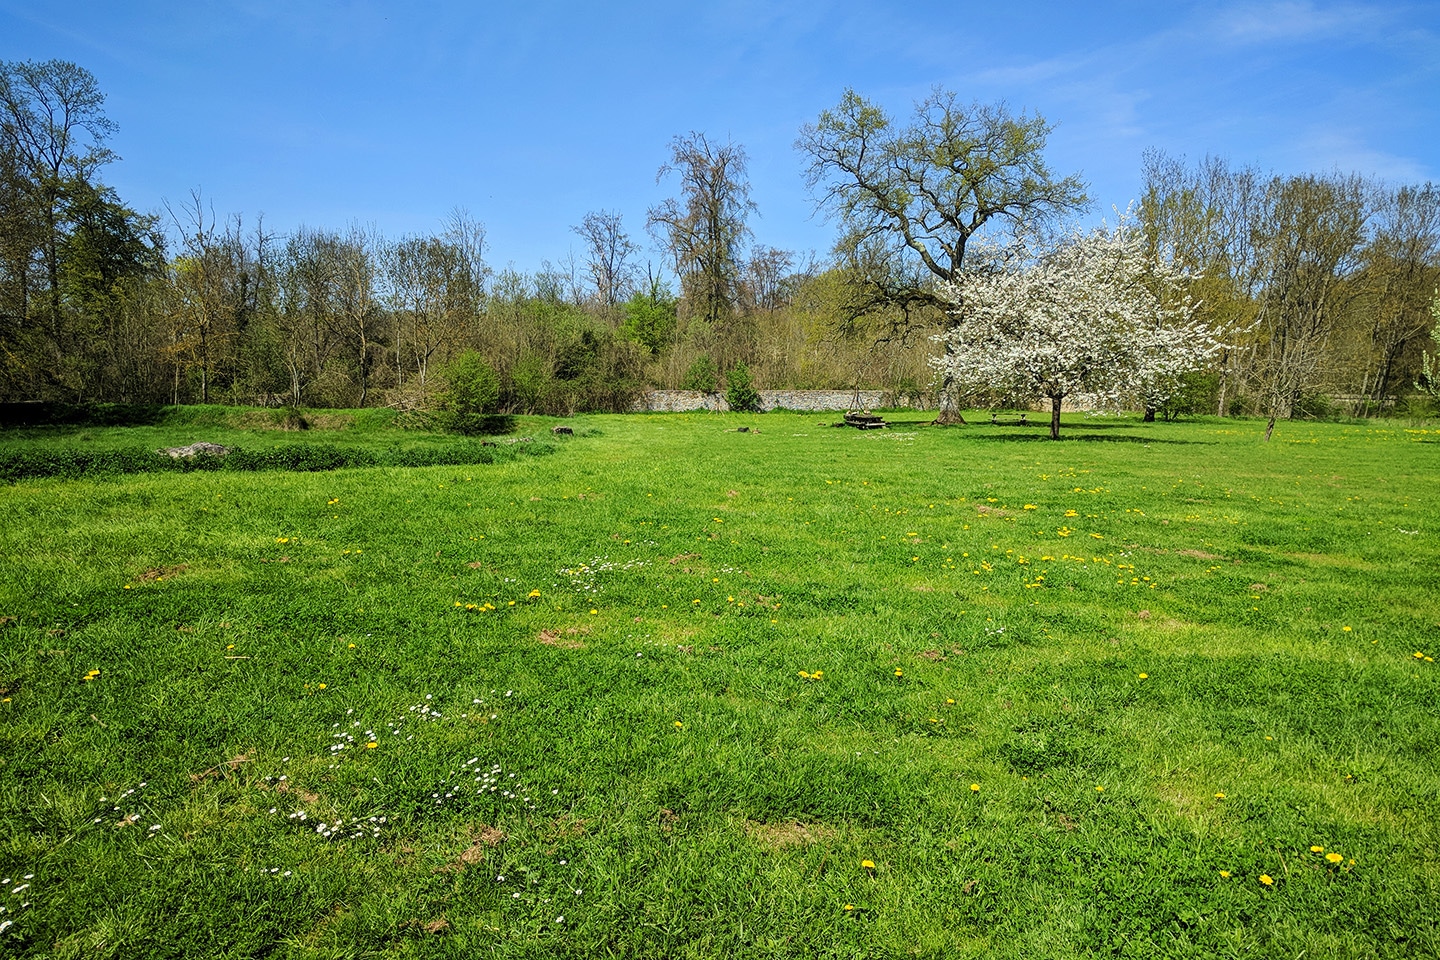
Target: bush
740,392
1197,392
703,375
471,397
1314,406
650,318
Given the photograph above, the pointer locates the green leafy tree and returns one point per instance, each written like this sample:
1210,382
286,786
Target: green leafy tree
47,111
702,375
471,396
650,318
740,392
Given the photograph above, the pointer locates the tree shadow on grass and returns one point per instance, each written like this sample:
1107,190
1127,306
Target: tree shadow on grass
1074,437
45,414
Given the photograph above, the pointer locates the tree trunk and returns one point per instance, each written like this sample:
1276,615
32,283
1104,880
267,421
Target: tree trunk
1149,415
949,415
204,363
1055,417
1270,427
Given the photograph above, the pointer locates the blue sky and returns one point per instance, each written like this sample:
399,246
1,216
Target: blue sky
531,114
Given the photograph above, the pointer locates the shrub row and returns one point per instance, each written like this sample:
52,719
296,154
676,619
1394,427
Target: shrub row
35,464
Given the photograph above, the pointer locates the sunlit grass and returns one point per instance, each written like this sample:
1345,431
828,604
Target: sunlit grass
676,684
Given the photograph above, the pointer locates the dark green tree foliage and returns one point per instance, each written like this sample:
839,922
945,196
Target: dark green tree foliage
70,251
46,111
471,396
567,361
1325,280
702,375
650,318
740,392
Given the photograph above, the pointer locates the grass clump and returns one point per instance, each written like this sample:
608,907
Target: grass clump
73,443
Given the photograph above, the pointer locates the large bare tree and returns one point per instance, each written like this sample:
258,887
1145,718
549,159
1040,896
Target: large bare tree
911,198
1400,269
1308,237
607,253
705,227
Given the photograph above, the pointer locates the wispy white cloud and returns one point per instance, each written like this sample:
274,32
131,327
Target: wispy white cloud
1326,149
1293,21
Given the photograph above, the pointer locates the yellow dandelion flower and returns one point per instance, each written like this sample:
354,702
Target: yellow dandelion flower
1219,796
1317,849
533,594
1099,789
678,725
1346,629
594,611
1144,676
899,672
1266,879
371,745
867,864
974,788
1334,857
849,907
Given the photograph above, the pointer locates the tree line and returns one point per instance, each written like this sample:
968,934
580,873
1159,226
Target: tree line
1314,285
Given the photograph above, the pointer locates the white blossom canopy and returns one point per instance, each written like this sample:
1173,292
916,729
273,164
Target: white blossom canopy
1090,318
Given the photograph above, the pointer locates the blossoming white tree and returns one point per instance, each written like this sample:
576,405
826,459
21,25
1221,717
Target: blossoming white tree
1430,366
1088,317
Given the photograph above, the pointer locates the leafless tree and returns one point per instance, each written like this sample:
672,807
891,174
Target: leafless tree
705,228
607,253
1308,237
910,199
1400,268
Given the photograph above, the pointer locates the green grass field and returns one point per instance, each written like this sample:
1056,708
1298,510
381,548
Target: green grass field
681,691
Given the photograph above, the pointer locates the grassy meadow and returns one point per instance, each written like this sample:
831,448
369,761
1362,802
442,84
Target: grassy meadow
677,690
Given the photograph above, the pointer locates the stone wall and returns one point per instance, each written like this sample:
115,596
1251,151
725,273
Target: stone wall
685,401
